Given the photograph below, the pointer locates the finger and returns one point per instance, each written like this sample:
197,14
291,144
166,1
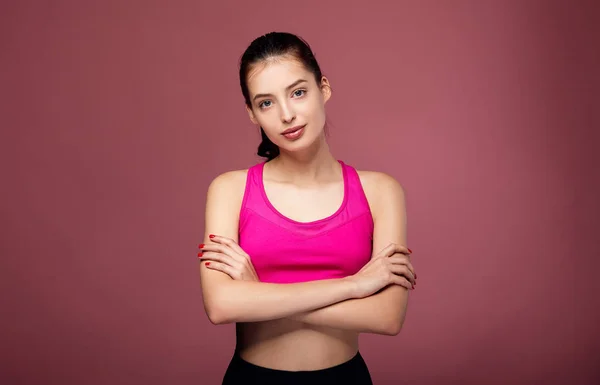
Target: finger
222,249
394,248
386,251
403,270
400,280
221,239
401,249
231,244
402,259
217,257
238,262
224,268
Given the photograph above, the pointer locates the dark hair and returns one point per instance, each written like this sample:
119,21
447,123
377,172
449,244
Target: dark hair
271,45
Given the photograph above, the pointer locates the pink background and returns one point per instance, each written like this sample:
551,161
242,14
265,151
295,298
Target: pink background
116,115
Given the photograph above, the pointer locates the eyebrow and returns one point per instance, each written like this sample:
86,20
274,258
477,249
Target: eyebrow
294,84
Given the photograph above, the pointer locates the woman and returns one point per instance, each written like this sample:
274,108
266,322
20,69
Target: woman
301,251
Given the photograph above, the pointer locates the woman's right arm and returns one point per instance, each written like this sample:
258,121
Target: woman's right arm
227,300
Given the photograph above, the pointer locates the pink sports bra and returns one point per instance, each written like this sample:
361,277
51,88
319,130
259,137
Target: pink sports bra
284,251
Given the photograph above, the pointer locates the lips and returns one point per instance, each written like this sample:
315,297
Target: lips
290,130
293,133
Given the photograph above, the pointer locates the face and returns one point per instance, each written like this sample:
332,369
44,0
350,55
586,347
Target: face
288,103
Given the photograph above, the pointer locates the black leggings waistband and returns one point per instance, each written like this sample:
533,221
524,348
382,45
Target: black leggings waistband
351,372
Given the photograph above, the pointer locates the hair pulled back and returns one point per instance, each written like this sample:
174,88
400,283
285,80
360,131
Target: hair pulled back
267,47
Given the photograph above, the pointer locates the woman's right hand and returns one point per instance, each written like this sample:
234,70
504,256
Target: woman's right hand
390,266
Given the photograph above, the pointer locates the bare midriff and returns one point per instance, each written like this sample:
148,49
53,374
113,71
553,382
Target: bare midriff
286,344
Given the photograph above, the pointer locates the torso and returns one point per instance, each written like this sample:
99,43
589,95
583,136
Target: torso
286,344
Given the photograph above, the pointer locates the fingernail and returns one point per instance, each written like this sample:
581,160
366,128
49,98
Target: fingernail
211,236
200,254
201,245
207,264
409,250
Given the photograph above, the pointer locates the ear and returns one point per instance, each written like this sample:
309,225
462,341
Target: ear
251,115
325,89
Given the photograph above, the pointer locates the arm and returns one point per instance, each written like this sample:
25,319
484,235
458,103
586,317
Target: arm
227,300
384,312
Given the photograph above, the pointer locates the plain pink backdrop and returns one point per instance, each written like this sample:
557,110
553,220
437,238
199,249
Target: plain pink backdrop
116,115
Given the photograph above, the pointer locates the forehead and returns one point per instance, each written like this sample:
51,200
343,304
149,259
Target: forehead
273,75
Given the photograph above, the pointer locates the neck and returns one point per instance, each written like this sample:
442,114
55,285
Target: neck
306,167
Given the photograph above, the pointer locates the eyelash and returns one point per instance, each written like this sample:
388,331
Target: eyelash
260,105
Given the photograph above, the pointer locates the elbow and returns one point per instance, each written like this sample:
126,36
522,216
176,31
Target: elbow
393,330
219,307
395,315
217,314
394,327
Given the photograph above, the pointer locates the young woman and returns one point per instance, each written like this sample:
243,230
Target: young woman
301,251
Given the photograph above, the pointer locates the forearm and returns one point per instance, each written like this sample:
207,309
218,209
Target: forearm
381,313
251,301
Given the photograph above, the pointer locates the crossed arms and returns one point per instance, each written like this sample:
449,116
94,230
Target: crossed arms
332,302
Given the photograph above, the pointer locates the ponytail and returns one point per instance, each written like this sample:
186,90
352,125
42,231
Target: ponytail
266,148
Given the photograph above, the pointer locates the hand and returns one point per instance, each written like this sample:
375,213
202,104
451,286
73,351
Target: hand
390,266
227,256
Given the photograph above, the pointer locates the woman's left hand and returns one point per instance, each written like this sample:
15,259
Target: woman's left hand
227,256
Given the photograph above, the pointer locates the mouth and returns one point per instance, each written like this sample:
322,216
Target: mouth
291,130
294,132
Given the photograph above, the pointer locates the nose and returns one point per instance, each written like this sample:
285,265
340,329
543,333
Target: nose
287,113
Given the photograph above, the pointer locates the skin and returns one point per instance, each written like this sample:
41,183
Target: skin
319,328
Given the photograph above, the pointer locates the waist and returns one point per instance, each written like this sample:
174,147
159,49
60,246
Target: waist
353,360
293,345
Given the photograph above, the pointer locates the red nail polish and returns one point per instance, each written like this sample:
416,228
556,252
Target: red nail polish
200,254
409,250
211,236
207,264
201,245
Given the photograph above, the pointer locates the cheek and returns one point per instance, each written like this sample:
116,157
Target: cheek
309,109
316,112
269,122
265,117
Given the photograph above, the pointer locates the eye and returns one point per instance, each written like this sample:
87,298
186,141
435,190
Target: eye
264,104
299,93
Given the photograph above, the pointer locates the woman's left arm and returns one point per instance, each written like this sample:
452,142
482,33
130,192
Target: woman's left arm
383,312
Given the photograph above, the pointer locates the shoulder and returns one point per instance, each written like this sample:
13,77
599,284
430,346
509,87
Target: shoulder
382,190
223,202
228,186
229,180
379,184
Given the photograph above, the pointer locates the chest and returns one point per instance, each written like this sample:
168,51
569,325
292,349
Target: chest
305,204
285,255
